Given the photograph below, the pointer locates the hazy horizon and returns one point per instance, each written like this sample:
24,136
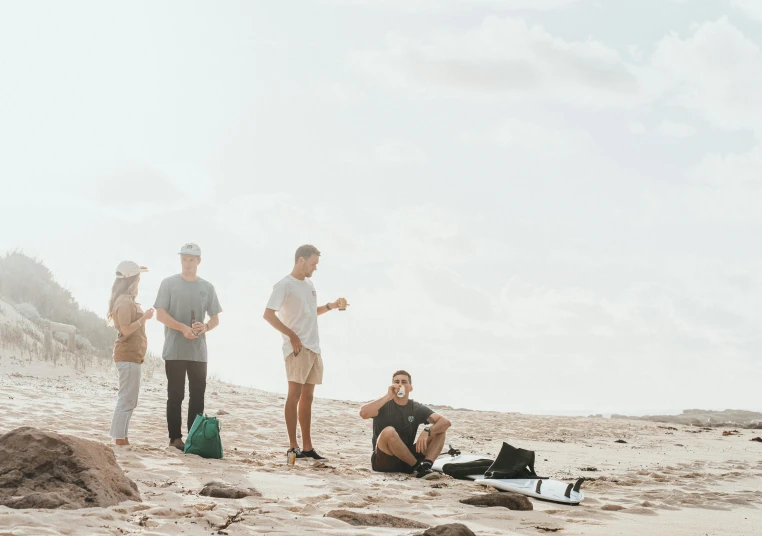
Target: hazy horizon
541,207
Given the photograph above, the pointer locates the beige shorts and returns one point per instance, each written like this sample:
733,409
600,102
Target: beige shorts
307,367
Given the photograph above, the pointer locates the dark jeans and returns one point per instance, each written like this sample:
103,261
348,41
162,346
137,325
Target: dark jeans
176,372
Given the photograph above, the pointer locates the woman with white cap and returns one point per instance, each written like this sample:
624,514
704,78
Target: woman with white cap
130,346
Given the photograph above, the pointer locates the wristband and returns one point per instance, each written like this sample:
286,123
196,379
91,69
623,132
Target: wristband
328,306
206,325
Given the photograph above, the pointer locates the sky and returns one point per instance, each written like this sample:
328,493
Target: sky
542,206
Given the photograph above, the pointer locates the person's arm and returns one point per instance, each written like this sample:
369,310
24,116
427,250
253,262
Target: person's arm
123,314
274,321
165,318
439,424
162,304
276,301
214,321
371,409
324,308
213,310
208,326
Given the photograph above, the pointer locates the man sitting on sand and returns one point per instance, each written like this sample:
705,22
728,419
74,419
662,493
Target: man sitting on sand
395,423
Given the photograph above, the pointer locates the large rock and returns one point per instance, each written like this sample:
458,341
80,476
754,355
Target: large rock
512,501
41,469
221,490
375,520
451,529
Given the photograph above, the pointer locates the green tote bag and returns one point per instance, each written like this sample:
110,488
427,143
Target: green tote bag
204,438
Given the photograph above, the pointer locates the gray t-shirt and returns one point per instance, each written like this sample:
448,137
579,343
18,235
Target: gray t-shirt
179,298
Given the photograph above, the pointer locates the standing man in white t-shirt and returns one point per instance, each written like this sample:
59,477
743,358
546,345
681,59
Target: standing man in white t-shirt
295,300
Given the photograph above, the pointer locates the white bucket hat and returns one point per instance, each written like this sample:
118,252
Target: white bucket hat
129,269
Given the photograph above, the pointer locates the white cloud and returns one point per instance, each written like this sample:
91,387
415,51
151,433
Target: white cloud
637,128
728,188
389,153
739,169
717,71
340,92
133,191
457,5
752,8
399,153
504,58
676,130
509,5
534,139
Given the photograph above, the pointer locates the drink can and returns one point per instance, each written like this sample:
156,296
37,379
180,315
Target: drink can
342,304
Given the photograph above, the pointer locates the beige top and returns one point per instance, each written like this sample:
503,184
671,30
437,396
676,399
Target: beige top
133,347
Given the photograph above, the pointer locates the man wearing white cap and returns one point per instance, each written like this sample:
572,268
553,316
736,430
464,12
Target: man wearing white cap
183,302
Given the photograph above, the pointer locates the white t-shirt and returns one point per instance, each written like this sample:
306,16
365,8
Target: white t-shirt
296,303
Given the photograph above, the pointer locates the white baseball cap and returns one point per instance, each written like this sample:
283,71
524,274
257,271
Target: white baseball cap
190,248
129,269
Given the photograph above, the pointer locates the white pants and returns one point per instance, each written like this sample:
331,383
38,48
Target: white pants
127,400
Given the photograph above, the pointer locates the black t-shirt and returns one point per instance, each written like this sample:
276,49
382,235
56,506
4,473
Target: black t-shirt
405,419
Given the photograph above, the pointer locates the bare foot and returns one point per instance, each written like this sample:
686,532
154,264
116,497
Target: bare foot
122,442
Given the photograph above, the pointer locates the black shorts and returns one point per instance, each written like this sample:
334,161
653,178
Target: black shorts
386,463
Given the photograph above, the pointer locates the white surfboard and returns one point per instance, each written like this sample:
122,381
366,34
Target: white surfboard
540,488
546,489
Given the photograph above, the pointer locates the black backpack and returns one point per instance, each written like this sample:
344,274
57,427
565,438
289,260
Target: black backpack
513,463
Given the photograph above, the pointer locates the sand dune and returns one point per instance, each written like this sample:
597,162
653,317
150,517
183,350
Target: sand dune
706,418
662,480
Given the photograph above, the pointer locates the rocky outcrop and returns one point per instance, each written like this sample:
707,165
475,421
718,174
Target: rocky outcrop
375,520
512,501
451,529
221,490
40,469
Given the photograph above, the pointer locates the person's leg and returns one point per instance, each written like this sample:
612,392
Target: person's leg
305,414
133,390
129,387
196,390
435,446
175,370
314,377
292,403
386,463
389,442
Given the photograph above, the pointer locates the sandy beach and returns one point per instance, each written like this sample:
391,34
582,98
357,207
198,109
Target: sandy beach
662,480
